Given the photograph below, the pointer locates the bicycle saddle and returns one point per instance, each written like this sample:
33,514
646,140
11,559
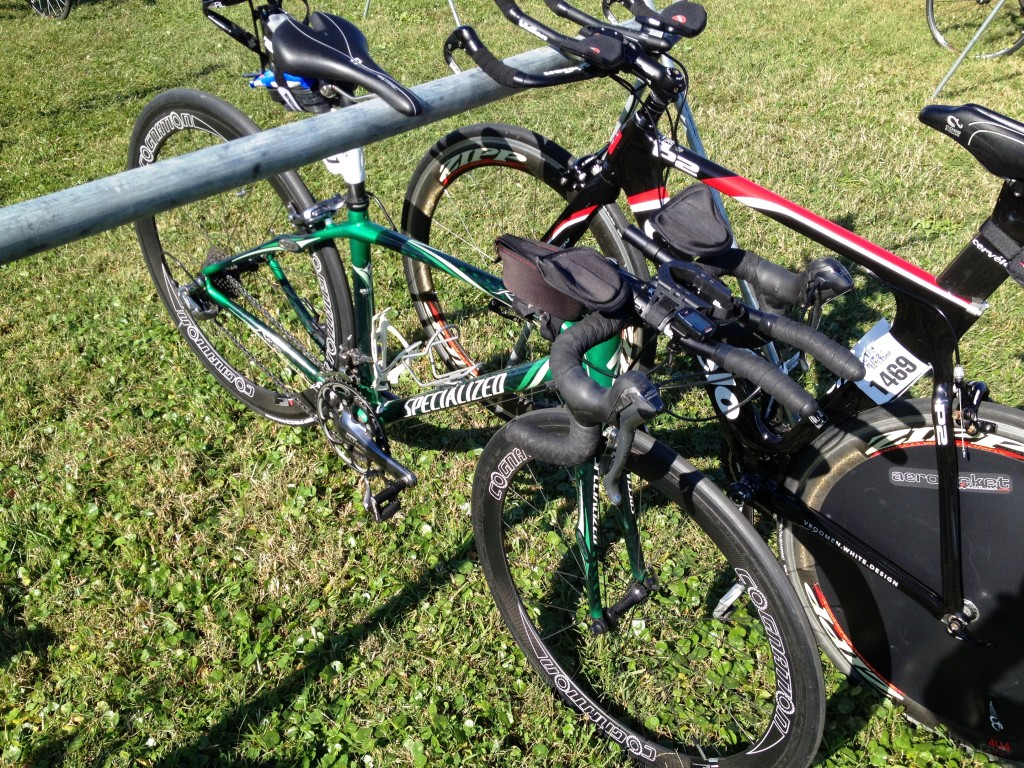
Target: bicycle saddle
334,50
996,141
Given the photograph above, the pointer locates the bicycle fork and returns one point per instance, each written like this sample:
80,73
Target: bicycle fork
642,584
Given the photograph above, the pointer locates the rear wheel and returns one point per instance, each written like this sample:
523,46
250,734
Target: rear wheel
672,680
954,23
177,245
877,481
54,9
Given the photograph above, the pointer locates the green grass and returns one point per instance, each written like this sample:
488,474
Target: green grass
183,583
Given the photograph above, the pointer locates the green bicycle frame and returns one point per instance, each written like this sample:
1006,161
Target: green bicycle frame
361,234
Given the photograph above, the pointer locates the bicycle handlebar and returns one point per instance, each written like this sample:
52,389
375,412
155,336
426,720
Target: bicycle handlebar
465,38
832,355
633,399
590,405
603,49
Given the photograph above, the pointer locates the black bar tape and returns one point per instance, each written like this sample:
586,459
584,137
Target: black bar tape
587,399
754,368
580,446
829,353
496,69
773,281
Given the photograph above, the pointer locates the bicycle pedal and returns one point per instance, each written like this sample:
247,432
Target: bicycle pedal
385,504
727,605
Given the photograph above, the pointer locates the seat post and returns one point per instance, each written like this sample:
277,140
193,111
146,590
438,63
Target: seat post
350,165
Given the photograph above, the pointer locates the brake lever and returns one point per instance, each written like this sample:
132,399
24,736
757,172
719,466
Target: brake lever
644,404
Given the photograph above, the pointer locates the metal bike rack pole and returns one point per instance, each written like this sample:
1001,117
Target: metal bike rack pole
46,222
967,48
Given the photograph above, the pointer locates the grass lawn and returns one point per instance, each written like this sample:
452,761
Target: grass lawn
182,583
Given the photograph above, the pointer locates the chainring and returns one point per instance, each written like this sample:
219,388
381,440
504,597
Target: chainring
336,398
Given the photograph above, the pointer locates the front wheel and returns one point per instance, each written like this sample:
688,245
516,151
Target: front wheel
54,9
302,297
954,23
674,683
475,184
876,479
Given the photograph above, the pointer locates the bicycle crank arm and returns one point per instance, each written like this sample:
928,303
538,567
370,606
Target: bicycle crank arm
383,504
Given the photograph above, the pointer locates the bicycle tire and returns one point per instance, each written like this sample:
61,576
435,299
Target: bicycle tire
52,9
177,243
953,24
867,476
472,186
697,712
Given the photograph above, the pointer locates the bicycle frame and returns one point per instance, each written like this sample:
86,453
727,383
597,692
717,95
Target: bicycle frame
362,234
929,321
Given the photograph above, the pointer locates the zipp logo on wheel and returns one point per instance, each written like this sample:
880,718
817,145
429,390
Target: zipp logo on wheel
473,157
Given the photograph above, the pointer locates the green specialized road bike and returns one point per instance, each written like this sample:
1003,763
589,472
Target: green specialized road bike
254,281
256,286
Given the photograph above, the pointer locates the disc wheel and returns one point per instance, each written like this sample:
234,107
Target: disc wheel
876,479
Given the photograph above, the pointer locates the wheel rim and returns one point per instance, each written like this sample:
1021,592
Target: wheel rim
206,232
671,671
954,24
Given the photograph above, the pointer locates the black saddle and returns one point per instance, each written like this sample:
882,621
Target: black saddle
334,50
996,141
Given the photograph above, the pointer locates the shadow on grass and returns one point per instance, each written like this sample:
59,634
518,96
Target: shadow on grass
216,745
15,635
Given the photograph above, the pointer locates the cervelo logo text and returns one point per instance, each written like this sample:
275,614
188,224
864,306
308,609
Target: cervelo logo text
499,477
175,121
989,252
969,481
464,393
465,160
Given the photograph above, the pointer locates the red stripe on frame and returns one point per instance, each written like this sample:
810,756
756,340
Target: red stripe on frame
656,195
573,220
739,187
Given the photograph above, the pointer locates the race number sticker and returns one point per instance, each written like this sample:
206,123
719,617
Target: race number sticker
890,367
